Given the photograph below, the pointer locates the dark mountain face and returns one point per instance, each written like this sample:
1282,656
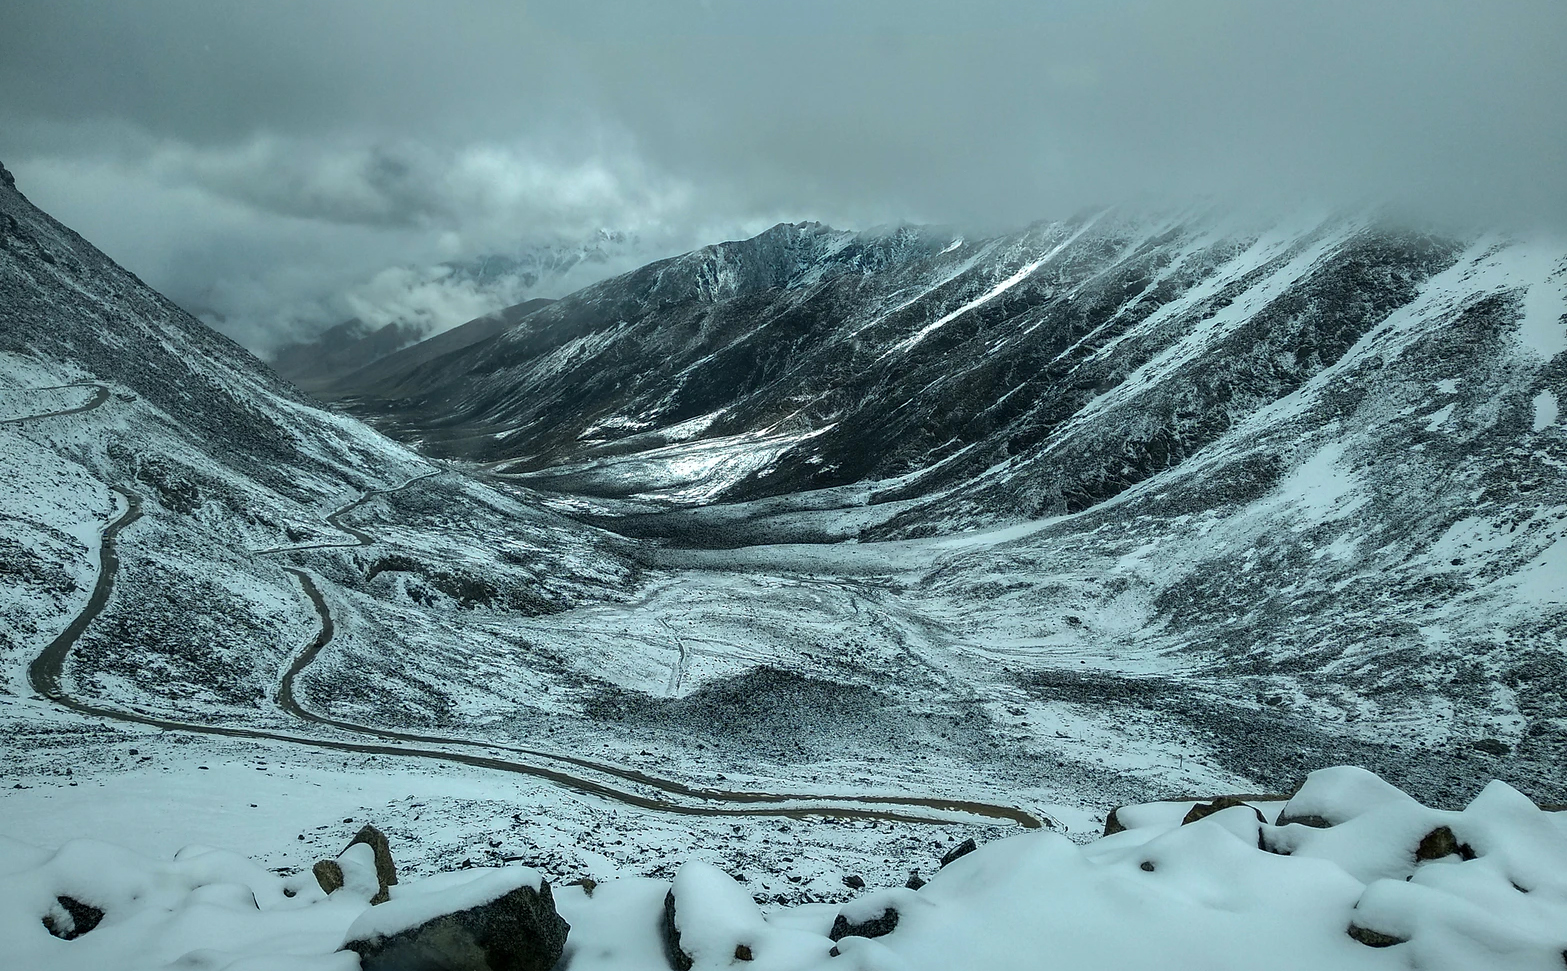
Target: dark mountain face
1034,374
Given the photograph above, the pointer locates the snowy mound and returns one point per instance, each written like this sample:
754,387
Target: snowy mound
1350,873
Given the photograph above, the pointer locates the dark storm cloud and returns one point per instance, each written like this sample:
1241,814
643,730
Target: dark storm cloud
361,130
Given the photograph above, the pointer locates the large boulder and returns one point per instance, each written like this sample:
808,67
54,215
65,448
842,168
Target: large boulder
709,919
499,920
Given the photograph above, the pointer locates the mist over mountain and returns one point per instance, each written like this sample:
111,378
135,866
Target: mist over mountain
400,306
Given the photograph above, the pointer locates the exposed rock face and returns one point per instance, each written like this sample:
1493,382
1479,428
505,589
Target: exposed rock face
670,932
520,931
877,926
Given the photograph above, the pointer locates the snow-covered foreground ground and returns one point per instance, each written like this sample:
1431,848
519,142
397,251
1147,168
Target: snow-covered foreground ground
1350,873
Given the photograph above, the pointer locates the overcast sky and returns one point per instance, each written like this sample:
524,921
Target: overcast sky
260,159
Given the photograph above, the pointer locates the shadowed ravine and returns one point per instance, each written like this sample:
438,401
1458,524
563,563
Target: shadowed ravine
45,676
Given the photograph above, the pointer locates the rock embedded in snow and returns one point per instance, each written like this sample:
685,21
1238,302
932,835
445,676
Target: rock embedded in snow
495,920
1113,823
329,874
1205,809
670,934
1441,842
365,867
72,919
1371,938
1332,796
883,924
710,921
962,849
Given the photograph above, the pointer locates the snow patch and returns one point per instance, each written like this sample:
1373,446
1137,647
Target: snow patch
1546,410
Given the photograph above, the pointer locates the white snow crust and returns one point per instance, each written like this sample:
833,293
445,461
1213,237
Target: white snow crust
1223,892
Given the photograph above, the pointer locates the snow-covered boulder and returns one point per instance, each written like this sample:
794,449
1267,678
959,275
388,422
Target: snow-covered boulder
473,920
711,922
1332,796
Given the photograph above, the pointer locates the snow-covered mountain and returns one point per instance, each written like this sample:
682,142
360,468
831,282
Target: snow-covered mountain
1316,462
235,495
869,542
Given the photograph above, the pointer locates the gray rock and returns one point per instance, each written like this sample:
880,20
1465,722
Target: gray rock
1205,809
678,959
1371,938
329,874
1441,842
961,850
1113,823
875,927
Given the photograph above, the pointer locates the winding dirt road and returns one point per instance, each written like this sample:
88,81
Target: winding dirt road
100,396
361,538
46,671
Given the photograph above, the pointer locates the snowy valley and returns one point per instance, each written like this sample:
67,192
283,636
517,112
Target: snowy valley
724,597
